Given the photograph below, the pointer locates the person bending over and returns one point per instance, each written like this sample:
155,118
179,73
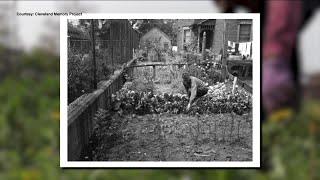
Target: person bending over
194,87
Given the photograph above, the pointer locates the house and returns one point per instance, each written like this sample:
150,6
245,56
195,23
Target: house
190,33
156,37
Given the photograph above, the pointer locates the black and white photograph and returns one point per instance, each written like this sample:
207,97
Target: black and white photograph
160,90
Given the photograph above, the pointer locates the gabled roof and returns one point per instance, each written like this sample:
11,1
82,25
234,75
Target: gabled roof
200,21
156,28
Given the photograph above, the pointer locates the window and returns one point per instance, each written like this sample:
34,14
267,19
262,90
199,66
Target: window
245,32
166,45
186,35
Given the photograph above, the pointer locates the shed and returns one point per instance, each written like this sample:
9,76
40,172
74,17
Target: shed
156,36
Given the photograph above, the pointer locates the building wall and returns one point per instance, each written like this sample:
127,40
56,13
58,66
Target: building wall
232,32
218,36
154,35
182,23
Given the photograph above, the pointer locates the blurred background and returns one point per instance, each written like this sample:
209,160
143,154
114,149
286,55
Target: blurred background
29,96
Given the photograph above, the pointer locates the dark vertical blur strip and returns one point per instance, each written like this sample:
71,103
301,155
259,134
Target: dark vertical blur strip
94,56
264,151
262,12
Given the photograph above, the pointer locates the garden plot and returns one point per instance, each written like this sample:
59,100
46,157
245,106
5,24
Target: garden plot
143,126
175,137
148,121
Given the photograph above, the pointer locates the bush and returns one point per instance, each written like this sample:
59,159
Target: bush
218,101
142,80
206,73
80,76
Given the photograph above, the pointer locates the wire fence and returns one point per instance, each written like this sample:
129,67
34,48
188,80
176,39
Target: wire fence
95,53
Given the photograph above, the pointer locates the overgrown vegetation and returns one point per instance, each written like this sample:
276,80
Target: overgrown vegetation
219,100
80,76
80,71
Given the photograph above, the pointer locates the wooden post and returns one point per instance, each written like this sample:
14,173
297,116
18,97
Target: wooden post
224,63
154,72
81,49
111,47
247,68
120,40
94,56
234,84
199,31
204,38
251,49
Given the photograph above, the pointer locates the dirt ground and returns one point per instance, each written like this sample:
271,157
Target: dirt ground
172,137
167,137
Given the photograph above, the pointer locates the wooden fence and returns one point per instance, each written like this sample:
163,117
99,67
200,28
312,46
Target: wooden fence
99,57
81,112
240,68
118,42
240,83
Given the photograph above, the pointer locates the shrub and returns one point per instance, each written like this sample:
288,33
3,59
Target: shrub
80,76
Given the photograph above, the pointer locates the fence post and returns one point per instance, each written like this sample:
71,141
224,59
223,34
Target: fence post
204,38
224,63
198,42
111,46
154,72
120,40
94,56
234,84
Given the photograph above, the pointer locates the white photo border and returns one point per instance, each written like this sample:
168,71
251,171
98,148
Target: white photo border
255,163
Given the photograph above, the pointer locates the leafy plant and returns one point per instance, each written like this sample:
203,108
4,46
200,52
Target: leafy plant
80,76
217,101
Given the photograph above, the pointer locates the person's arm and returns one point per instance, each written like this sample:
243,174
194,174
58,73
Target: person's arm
187,89
193,93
